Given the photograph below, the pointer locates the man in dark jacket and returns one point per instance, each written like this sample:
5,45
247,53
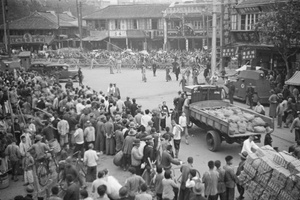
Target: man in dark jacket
73,189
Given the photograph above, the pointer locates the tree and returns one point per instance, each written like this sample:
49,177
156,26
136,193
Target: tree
281,27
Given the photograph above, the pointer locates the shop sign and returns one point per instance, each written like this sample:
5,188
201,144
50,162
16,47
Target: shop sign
228,52
28,38
248,37
248,54
118,34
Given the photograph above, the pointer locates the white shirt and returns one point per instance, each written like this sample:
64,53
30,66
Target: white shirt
79,108
145,119
247,146
182,121
177,132
90,158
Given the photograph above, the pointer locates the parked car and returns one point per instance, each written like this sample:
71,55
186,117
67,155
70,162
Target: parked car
61,71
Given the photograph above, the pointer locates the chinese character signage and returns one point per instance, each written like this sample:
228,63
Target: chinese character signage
246,37
28,38
228,52
117,34
248,54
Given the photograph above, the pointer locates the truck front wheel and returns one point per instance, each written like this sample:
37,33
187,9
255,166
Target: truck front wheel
213,140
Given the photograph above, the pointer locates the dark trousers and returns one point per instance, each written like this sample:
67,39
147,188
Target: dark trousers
126,160
241,190
79,147
91,173
212,197
158,196
184,193
14,168
230,193
222,196
297,134
137,170
231,98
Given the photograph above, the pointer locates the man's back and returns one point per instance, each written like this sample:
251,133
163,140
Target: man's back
230,177
133,183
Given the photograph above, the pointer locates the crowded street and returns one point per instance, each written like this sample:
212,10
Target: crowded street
150,95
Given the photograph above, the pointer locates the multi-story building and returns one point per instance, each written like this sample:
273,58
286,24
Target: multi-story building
40,28
246,42
189,25
135,26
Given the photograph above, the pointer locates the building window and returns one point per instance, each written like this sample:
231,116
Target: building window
233,22
154,24
248,21
117,24
135,24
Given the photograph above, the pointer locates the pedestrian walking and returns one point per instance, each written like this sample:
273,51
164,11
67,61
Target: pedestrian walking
90,159
240,168
144,78
177,129
183,124
183,82
296,125
273,100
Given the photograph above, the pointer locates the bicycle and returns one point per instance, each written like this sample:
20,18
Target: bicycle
80,166
43,170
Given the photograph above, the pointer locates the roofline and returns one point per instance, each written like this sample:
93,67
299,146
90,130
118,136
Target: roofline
127,5
259,4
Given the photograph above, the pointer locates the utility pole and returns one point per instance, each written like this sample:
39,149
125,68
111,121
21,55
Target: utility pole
222,67
6,26
214,38
79,14
58,23
165,31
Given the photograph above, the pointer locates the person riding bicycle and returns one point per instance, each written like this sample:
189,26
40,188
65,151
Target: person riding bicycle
40,148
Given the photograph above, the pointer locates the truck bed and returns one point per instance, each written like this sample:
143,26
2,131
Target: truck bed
196,111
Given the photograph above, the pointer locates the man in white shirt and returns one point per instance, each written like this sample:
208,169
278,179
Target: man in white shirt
79,107
146,118
90,159
99,181
120,104
63,130
176,137
249,145
183,124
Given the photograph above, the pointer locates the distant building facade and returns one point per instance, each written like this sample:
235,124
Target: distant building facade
43,28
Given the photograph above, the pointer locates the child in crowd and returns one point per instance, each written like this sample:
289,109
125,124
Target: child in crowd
28,163
157,179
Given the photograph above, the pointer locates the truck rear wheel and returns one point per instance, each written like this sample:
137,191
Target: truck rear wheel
213,140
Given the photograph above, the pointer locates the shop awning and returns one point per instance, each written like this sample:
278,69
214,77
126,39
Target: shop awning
95,38
136,34
294,80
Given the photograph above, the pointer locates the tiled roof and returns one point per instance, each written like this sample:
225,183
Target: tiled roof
33,21
254,3
129,11
42,21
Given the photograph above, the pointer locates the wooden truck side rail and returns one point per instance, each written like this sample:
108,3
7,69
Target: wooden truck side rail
196,111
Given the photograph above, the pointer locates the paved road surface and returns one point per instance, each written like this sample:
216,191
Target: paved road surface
150,95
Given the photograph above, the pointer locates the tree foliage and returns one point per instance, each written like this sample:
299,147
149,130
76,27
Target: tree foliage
281,27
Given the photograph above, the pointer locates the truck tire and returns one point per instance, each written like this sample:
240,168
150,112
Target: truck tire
213,140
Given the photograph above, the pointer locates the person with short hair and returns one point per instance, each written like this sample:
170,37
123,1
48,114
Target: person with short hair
157,179
230,178
177,129
101,190
99,181
249,146
73,189
143,195
185,172
90,159
133,183
221,182
123,193
210,180
54,195
168,185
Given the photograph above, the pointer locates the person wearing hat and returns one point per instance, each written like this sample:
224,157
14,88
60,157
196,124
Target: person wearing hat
194,186
296,125
240,168
136,157
89,134
40,148
127,147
